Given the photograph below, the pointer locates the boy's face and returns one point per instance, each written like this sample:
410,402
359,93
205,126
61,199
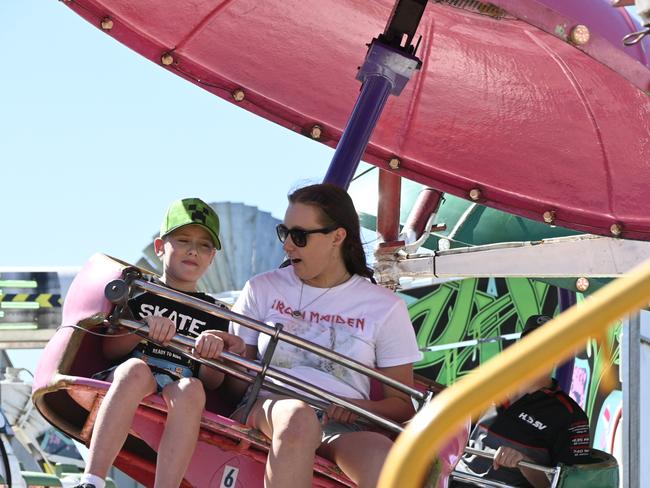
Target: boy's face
186,254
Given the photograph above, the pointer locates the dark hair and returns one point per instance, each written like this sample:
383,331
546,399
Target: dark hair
336,208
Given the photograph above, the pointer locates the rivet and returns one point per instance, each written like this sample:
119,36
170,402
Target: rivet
616,229
167,59
582,284
238,95
316,132
394,163
107,24
579,35
549,216
475,194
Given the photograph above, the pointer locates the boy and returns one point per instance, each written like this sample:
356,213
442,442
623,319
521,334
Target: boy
189,239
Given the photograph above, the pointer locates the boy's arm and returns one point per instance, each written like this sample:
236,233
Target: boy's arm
161,329
237,387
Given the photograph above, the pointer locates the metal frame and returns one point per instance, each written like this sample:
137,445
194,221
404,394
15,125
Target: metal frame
579,256
231,363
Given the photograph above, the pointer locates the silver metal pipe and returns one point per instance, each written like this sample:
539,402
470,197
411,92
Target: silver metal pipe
477,480
523,464
283,336
289,380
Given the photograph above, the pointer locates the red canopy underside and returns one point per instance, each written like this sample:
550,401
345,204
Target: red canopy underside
532,121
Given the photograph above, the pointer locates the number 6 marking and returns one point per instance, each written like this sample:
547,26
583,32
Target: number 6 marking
229,477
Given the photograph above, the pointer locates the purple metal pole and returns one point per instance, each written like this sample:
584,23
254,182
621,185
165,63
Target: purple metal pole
385,72
564,372
363,120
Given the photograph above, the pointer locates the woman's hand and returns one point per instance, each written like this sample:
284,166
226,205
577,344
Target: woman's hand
336,413
161,329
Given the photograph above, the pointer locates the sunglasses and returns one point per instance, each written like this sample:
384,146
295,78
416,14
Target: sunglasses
299,236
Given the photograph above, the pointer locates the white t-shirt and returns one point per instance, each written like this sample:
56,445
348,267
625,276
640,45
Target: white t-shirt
358,319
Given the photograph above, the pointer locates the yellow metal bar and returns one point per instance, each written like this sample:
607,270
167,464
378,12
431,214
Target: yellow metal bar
416,448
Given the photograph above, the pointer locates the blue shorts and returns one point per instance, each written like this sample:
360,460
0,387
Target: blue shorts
164,372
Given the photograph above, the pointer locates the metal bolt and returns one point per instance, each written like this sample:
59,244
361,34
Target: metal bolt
582,284
316,132
549,216
238,95
616,229
107,24
167,59
394,163
580,35
475,194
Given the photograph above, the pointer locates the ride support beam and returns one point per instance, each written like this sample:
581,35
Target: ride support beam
425,206
389,65
388,206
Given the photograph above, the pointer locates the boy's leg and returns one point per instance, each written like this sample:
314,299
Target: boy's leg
295,434
185,403
360,455
132,381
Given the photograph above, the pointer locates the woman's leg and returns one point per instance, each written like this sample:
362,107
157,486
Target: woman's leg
132,381
185,403
360,455
295,435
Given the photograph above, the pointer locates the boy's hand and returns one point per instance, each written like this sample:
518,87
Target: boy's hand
161,329
211,343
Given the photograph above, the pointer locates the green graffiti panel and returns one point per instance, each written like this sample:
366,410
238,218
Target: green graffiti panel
472,309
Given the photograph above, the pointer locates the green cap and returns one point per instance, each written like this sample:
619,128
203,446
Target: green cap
191,211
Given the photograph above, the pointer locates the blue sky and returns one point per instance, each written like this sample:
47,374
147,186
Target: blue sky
96,141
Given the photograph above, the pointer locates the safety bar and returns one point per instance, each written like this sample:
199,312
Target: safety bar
477,481
523,464
258,326
533,356
272,373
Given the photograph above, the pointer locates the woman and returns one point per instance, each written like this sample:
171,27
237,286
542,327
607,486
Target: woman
325,296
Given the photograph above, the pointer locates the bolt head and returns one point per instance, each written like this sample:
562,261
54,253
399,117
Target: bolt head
616,229
167,59
316,132
106,24
579,35
238,95
582,284
475,194
394,163
549,216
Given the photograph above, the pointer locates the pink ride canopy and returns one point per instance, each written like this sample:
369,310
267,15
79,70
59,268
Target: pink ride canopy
508,101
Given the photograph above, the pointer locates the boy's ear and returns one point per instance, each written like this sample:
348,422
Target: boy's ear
159,246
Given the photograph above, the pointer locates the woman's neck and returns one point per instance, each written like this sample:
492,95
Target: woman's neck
329,278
